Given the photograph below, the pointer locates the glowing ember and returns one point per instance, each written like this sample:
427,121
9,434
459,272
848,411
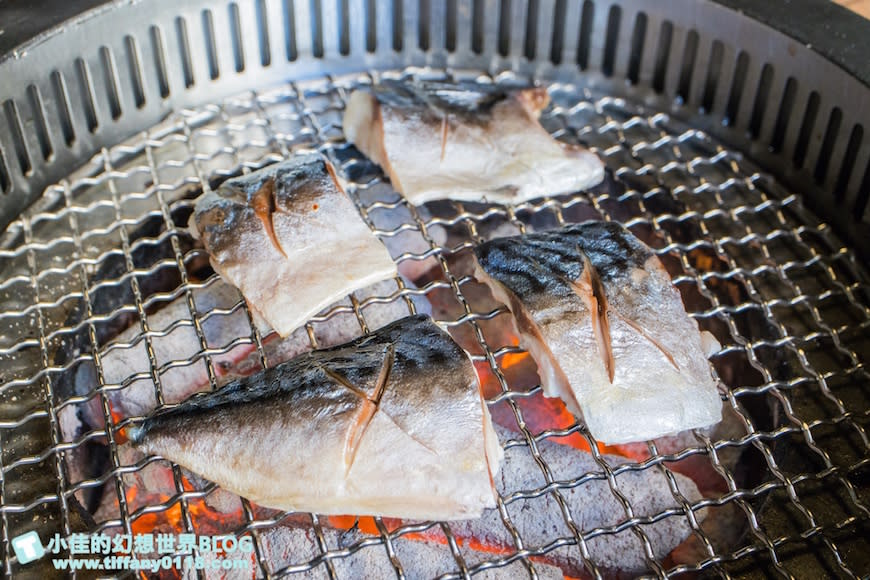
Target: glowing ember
540,413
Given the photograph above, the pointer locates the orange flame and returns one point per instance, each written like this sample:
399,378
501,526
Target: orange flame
540,413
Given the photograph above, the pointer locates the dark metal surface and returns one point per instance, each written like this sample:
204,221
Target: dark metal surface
23,22
833,31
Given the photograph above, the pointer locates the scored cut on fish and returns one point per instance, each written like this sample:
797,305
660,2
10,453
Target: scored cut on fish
607,329
290,239
227,332
467,142
390,424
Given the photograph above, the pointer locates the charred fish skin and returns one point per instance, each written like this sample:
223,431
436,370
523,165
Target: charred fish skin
290,239
469,102
389,424
465,141
598,312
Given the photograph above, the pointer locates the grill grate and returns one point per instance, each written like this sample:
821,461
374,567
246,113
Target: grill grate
787,299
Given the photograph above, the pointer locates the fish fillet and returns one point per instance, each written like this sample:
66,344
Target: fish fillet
607,328
290,239
390,424
466,142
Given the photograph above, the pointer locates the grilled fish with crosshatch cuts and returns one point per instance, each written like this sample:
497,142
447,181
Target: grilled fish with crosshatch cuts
390,424
469,142
290,239
607,328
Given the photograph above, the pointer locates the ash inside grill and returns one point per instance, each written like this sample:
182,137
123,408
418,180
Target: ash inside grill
125,316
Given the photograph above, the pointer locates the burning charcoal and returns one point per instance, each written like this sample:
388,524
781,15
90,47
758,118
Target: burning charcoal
174,342
592,504
219,499
698,467
407,241
723,527
287,546
110,291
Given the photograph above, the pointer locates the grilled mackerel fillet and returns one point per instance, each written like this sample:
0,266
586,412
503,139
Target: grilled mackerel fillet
390,424
290,239
607,328
469,142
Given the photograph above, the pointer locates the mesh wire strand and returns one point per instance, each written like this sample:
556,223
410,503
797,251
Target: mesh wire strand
789,301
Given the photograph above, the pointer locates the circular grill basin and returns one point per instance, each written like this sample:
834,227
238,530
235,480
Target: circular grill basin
786,297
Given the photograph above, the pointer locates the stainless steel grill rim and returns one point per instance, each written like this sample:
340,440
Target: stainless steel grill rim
761,231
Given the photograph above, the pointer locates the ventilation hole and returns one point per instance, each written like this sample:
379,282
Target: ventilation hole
714,69
210,45
86,94
111,82
828,143
263,33
504,28
477,26
14,124
135,71
684,86
236,37
611,39
558,43
760,104
530,41
398,24
585,38
5,182
848,162
662,53
423,24
317,28
158,54
39,122
638,36
450,41
62,100
783,115
806,132
343,27
860,201
371,26
184,48
290,30
736,93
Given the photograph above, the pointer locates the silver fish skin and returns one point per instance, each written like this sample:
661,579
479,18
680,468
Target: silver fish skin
634,370
466,142
290,239
390,424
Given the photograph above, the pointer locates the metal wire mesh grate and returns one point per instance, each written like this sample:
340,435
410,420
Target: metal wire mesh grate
790,304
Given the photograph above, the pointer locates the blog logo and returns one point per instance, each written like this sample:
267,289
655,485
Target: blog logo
28,547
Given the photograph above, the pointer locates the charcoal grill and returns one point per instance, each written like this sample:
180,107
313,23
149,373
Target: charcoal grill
738,150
